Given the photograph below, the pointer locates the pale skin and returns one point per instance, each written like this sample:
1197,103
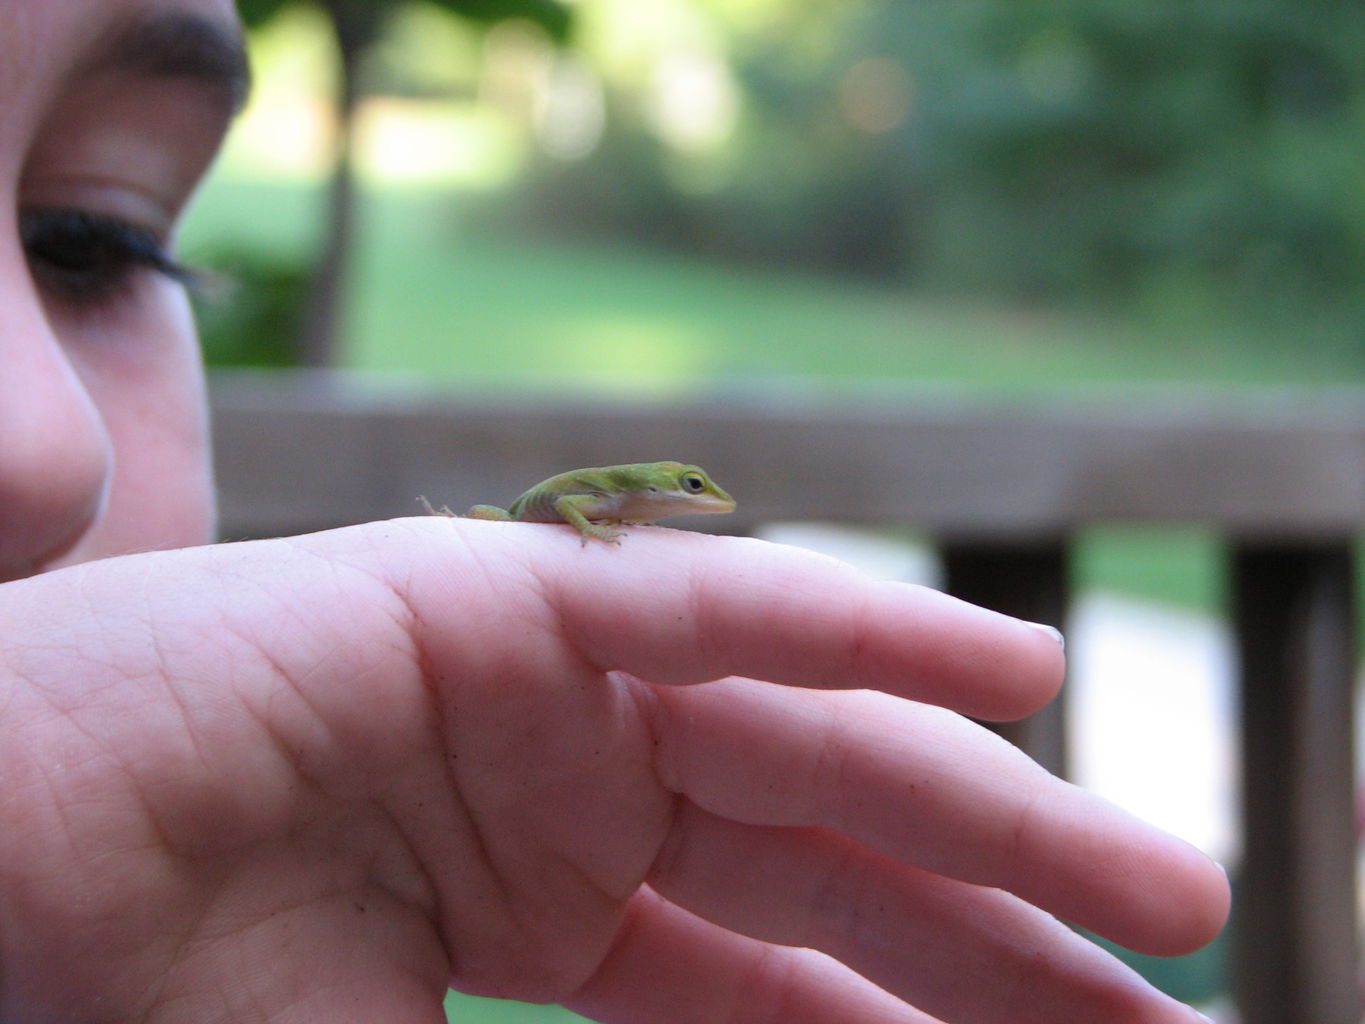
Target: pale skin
321,778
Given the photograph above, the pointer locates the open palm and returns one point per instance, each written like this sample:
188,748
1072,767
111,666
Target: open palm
324,778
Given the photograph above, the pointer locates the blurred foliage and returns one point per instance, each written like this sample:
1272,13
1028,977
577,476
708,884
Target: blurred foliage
1167,153
249,316
550,15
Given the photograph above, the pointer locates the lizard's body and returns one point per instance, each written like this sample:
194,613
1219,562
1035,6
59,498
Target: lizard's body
595,499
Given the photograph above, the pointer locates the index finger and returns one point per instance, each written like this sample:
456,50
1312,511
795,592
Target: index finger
682,608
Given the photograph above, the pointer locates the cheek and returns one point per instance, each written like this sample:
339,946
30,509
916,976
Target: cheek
151,398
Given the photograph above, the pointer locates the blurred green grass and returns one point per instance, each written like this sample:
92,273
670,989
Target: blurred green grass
434,297
1177,566
462,1009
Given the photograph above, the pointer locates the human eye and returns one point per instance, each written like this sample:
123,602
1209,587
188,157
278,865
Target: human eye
86,258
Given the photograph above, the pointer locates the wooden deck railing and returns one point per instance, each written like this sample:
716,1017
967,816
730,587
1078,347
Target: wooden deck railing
1004,486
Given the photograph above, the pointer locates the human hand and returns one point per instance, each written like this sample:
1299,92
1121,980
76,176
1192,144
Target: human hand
322,778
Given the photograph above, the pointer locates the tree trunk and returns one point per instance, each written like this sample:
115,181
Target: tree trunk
356,24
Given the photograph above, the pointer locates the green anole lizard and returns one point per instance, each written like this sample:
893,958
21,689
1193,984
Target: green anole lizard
593,500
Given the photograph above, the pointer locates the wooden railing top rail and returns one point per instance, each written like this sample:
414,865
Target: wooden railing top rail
303,450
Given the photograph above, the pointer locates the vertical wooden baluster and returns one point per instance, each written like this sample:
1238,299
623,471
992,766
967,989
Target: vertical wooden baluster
1297,955
1029,581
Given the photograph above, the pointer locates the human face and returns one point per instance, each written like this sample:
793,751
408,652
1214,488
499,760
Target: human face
110,113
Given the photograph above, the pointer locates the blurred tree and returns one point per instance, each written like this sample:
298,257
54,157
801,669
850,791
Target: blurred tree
1165,152
357,25
1110,146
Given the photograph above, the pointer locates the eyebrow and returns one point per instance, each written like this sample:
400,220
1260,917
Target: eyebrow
185,46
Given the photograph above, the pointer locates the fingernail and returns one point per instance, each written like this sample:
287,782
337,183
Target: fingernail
1051,631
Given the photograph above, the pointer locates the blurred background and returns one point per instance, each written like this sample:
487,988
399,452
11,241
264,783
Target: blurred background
648,199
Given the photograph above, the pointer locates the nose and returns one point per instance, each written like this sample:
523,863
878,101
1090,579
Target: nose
55,456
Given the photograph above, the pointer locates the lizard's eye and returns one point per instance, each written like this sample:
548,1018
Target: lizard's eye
693,484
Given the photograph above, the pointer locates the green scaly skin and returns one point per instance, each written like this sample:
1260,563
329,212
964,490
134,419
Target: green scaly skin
596,499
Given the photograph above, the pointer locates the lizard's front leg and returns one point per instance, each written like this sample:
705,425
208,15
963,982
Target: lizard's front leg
571,508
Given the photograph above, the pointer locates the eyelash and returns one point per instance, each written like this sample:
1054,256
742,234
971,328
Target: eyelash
88,258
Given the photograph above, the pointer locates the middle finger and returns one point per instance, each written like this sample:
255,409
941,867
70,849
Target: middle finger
926,786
